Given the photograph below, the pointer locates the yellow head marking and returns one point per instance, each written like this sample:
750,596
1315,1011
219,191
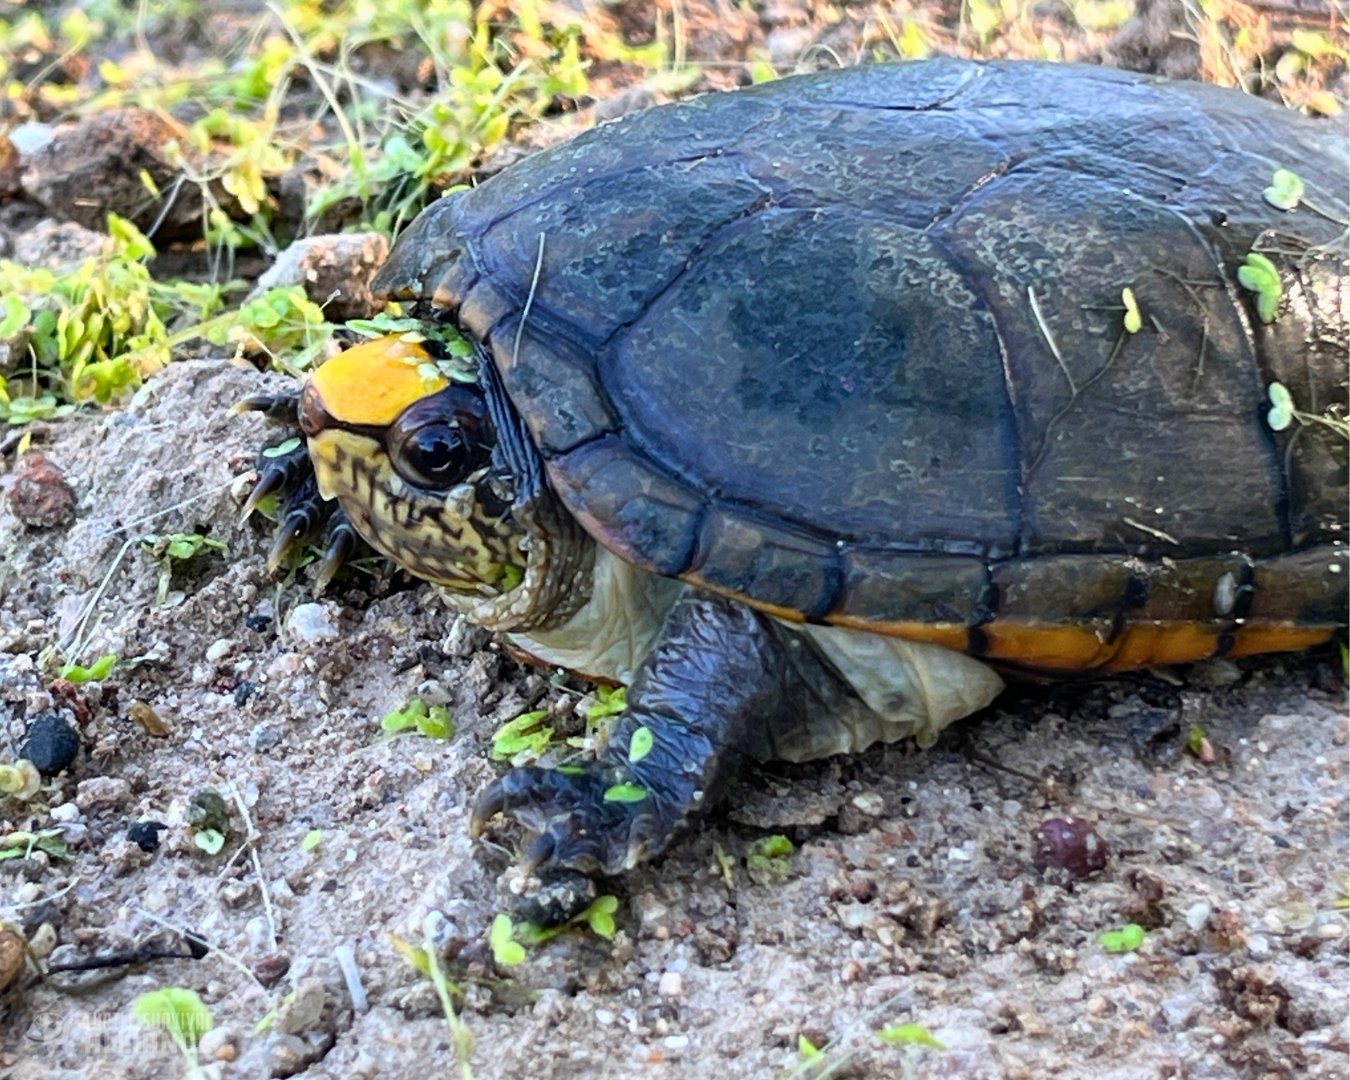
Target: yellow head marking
373,382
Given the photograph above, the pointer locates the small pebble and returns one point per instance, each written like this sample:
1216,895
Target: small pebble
218,1044
65,813
50,743
671,984
145,834
1197,915
219,649
604,1017
1069,844
99,791
309,624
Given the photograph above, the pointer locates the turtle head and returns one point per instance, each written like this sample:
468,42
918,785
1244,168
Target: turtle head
408,454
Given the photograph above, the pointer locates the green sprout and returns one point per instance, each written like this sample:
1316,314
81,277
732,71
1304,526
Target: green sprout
20,844
1285,191
625,793
311,840
432,721
527,736
909,1035
505,949
172,550
1195,740
640,744
99,670
1283,412
181,1014
21,780
1134,322
766,860
1259,276
598,917
1126,939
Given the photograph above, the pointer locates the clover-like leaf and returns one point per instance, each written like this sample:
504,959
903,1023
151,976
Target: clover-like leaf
1285,191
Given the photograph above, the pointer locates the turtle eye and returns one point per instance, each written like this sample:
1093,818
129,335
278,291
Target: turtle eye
441,440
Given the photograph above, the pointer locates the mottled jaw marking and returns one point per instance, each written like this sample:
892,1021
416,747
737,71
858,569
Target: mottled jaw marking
444,537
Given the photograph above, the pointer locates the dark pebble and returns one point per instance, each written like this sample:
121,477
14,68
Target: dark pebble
1070,845
259,623
145,834
50,743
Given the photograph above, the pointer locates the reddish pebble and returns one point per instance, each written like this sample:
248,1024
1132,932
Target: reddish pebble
40,496
1070,845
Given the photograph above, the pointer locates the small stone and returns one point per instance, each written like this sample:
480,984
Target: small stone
1197,915
870,803
671,984
604,1017
145,834
219,1044
42,941
258,933
334,270
219,649
263,737
102,791
1258,947
51,743
1069,844
309,624
66,813
301,1011
39,495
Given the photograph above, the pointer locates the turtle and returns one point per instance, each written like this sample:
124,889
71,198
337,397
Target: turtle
812,411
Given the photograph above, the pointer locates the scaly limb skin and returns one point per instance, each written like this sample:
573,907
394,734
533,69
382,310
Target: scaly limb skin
720,681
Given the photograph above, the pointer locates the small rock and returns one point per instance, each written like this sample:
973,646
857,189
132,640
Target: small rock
58,245
334,270
145,834
671,984
100,164
309,624
270,970
219,1044
218,650
102,791
263,737
66,813
301,1011
42,941
1197,915
39,495
1069,844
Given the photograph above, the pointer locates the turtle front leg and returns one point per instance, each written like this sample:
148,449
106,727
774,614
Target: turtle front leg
724,683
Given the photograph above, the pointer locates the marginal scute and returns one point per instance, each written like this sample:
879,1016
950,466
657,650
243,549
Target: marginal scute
629,505
782,569
898,587
1064,588
1303,587
553,372
455,282
484,306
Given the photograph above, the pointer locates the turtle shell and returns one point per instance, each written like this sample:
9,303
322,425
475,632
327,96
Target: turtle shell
853,346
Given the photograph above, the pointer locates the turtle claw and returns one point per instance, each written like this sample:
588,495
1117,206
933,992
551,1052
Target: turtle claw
339,543
575,826
284,407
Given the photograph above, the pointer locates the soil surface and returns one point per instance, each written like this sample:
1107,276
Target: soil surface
964,889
